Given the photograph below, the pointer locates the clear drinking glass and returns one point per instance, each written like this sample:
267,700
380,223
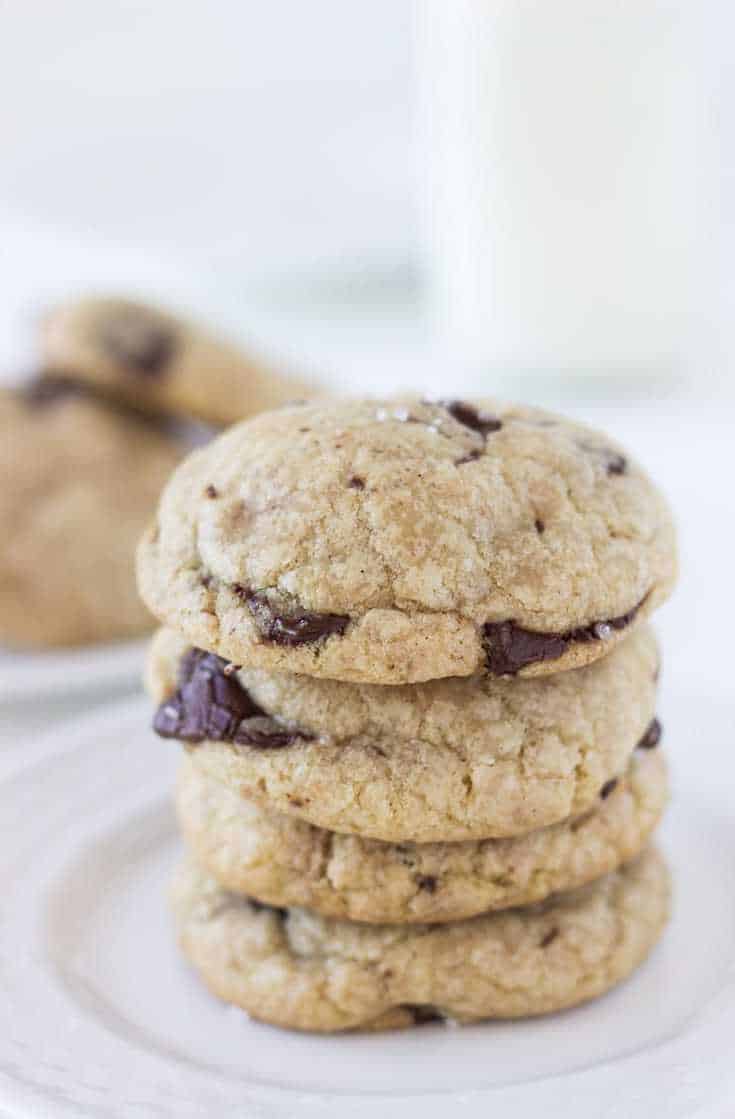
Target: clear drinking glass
564,152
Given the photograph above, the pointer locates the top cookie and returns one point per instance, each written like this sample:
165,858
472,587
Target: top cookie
404,541
158,362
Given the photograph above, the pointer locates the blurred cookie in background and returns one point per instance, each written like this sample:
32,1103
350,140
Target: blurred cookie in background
159,362
125,391
80,478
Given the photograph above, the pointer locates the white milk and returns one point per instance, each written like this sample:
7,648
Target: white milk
560,178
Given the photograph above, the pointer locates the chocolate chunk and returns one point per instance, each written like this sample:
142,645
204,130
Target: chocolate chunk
268,734
209,705
539,526
427,882
211,491
549,938
138,341
600,631
423,1014
614,462
608,788
50,389
652,737
509,647
290,627
471,417
471,456
356,483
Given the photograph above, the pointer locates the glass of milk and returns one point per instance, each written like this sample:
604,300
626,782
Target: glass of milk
561,179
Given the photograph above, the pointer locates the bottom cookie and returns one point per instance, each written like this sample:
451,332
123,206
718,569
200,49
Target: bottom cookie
293,968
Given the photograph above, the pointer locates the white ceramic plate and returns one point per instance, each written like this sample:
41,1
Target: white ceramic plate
60,672
99,1016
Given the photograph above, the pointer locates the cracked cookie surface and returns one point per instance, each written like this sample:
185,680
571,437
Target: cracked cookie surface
160,362
403,541
286,862
295,969
448,760
80,481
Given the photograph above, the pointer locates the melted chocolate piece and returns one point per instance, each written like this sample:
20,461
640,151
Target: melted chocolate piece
51,389
138,341
509,647
608,788
427,882
471,417
471,456
549,938
209,705
599,631
652,736
295,627
356,482
211,491
539,526
423,1014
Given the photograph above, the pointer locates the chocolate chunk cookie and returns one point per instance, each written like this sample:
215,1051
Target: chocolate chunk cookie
80,480
159,362
297,969
447,760
404,541
286,862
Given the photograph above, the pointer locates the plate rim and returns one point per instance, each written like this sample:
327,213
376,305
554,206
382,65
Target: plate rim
54,673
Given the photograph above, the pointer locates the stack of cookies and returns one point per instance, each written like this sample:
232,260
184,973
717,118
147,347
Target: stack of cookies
407,651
